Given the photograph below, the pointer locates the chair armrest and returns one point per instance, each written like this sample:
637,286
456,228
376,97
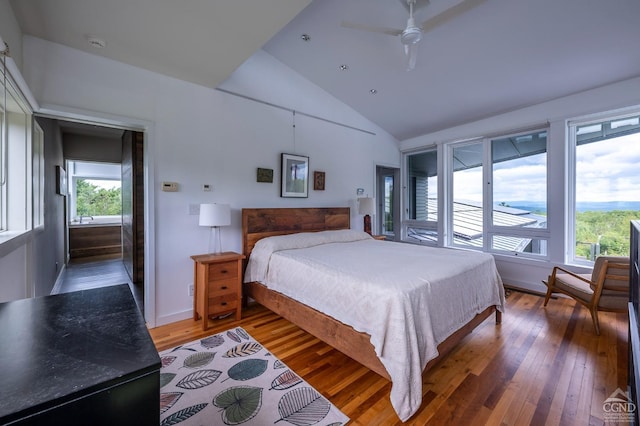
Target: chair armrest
573,274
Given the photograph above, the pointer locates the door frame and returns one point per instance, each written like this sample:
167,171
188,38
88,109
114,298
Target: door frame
381,172
148,129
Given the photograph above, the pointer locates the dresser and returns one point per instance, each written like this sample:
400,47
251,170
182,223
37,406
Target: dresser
218,286
81,358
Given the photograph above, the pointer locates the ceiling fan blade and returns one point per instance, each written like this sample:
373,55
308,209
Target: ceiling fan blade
370,28
411,51
449,14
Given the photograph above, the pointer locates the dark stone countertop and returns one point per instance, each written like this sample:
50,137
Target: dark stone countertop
54,349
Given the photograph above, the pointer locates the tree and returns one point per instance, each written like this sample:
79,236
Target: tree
92,200
610,229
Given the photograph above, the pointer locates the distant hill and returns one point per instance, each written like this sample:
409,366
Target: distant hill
581,207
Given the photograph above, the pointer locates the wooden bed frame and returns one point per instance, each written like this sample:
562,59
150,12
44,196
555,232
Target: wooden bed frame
261,223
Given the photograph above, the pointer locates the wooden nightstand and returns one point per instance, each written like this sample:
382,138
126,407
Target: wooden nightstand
217,286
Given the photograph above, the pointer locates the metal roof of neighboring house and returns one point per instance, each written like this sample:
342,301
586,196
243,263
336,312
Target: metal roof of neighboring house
467,225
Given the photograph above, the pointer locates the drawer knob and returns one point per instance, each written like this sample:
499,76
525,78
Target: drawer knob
224,271
224,303
224,287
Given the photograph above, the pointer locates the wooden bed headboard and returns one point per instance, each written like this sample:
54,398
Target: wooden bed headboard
261,223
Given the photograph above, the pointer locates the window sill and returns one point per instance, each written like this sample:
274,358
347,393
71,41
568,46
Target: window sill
11,240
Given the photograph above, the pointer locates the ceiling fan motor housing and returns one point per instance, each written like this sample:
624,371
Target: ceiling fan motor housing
412,34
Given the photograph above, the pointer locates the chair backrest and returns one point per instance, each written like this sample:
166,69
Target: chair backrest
613,271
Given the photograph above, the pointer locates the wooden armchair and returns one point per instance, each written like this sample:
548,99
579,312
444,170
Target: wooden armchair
605,289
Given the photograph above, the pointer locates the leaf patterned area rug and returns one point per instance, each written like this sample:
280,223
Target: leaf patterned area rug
231,379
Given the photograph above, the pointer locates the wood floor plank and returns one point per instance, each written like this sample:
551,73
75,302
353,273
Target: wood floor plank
542,365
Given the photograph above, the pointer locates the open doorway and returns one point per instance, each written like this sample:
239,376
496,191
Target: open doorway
388,208
104,214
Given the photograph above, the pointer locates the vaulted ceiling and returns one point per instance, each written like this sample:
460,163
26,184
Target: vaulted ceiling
494,57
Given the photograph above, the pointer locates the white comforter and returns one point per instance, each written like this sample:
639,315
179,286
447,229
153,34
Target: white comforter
407,298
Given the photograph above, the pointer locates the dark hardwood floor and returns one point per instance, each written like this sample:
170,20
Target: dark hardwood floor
541,366
98,272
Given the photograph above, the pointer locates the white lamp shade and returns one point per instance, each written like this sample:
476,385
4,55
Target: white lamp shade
367,205
215,215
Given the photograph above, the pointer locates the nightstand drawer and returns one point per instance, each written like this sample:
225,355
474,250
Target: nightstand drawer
225,303
223,270
221,287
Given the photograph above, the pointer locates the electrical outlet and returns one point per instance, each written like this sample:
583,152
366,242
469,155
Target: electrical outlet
190,289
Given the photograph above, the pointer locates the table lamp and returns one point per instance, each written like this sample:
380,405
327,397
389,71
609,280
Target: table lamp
215,216
367,207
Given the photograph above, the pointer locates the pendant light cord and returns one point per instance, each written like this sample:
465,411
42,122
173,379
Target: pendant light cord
294,132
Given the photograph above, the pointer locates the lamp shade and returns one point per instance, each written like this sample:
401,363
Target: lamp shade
366,205
215,215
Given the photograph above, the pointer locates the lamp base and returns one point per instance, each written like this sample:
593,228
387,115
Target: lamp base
367,224
215,242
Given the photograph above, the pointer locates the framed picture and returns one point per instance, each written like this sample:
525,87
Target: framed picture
295,176
265,175
318,181
61,181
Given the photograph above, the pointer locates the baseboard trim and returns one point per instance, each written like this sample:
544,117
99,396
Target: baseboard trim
178,316
59,280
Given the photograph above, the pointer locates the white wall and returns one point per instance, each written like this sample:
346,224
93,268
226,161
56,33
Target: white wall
10,31
14,283
199,135
621,96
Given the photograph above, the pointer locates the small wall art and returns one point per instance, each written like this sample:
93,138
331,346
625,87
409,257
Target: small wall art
61,181
265,175
295,176
318,181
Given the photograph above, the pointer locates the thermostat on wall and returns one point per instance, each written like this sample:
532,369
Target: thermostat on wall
170,186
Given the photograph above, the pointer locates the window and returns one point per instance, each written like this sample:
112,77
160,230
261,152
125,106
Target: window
15,157
466,183
498,198
38,176
605,194
95,193
421,205
518,192
388,201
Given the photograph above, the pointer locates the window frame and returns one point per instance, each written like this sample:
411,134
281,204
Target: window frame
493,230
38,172
490,231
16,168
406,222
571,176
449,241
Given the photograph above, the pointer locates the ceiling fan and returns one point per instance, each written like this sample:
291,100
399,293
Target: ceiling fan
412,34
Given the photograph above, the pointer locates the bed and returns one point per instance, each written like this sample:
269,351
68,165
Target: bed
422,309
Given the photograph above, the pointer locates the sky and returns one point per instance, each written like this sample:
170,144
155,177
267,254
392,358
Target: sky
606,171
106,184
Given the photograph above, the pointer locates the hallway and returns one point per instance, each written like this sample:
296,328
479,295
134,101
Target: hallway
84,275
